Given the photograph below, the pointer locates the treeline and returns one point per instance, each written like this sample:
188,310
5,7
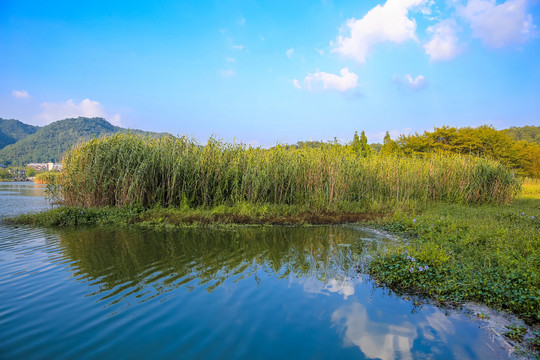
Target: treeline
483,141
516,148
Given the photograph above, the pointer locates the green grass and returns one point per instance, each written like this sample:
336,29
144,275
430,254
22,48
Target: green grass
158,217
174,172
487,253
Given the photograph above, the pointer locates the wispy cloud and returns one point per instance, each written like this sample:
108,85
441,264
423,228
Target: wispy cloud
87,108
231,60
444,42
20,94
226,73
499,25
417,83
238,47
290,53
389,22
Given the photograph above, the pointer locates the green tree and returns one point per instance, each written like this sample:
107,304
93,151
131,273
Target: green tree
356,144
389,145
366,150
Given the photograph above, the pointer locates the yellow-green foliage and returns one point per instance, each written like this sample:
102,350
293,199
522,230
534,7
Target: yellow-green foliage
126,169
47,178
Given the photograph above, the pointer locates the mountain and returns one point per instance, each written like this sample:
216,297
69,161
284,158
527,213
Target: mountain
525,133
12,131
49,143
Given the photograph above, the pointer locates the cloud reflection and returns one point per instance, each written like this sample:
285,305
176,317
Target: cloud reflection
375,339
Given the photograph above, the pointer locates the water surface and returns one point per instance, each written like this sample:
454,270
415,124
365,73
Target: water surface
247,293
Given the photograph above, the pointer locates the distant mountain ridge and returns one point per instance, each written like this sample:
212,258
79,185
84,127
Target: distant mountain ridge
26,143
12,131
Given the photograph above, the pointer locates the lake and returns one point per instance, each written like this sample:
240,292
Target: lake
239,293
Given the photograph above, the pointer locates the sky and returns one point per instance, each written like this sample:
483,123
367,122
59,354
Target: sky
267,72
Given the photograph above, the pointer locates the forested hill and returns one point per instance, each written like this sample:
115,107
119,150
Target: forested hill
12,131
525,133
49,143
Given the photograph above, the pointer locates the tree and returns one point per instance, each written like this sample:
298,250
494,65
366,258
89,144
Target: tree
356,145
366,150
389,145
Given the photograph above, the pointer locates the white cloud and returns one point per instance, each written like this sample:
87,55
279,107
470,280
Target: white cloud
444,42
417,83
20,94
386,343
238,47
296,84
348,80
230,59
86,108
290,53
242,21
499,25
389,22
226,73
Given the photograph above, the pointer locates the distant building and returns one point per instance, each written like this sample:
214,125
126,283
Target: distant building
45,166
38,166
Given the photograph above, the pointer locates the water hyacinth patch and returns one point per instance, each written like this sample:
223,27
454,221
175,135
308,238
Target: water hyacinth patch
489,254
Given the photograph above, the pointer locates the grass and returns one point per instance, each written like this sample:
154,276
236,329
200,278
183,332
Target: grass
159,217
48,177
127,170
486,253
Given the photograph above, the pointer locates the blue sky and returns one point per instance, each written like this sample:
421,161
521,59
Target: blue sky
263,72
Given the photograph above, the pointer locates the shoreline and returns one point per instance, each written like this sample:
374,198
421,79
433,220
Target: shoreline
482,254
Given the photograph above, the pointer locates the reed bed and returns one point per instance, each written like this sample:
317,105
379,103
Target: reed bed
176,172
47,178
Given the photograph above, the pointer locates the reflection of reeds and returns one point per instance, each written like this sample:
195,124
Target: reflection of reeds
207,256
126,169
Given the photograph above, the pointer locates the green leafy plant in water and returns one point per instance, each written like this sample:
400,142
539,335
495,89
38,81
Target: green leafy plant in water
516,332
535,340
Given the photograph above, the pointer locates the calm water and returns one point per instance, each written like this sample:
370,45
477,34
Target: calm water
251,293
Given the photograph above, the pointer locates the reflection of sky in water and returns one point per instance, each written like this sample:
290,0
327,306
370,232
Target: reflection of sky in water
387,327
269,292
375,339
342,286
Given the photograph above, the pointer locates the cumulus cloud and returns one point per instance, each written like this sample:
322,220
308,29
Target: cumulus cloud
444,42
498,25
417,83
290,53
20,94
348,80
389,22
86,108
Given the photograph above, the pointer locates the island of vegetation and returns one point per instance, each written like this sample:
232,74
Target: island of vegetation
464,204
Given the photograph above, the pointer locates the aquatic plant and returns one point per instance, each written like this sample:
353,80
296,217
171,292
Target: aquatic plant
126,169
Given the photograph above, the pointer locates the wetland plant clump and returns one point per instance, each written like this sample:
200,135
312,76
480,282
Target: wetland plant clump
125,170
455,253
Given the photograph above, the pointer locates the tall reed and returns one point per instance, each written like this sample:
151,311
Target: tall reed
127,169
